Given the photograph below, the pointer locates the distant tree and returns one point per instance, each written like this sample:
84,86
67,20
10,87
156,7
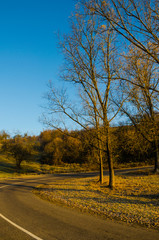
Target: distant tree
51,147
4,135
46,136
72,149
53,151
20,148
130,147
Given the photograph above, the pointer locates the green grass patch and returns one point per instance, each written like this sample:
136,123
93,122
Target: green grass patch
135,198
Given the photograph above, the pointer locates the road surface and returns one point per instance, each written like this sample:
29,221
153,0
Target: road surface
24,216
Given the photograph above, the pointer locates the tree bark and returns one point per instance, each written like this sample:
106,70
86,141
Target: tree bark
18,164
101,167
111,170
109,159
156,168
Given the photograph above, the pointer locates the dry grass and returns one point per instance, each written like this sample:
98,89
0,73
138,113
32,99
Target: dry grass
8,168
133,200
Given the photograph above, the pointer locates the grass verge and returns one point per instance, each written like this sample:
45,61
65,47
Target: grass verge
8,168
133,200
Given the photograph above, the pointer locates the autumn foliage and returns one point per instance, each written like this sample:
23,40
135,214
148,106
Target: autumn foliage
55,147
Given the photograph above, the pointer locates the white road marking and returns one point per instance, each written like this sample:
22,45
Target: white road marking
22,229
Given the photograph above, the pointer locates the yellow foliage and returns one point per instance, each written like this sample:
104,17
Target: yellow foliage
92,9
104,4
103,26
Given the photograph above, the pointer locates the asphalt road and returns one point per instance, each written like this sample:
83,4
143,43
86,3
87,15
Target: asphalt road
24,216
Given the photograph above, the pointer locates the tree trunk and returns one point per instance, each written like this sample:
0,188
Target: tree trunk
101,167
100,156
111,170
109,159
156,168
18,164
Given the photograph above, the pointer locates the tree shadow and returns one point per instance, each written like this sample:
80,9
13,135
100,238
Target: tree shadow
143,199
58,189
7,167
150,196
139,173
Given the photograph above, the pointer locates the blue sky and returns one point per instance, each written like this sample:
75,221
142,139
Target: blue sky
29,58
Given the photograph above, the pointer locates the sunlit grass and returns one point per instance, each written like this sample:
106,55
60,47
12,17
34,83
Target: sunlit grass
8,168
135,199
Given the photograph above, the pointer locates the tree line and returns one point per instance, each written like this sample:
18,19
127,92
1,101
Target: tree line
54,147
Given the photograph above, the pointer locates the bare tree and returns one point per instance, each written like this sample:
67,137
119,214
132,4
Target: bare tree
135,21
89,53
138,23
142,108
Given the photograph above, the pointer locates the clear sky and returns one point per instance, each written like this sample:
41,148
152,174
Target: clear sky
29,58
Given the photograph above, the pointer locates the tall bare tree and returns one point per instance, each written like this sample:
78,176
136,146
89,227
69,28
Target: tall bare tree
143,102
89,52
138,23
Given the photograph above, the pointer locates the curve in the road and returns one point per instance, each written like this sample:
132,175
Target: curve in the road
50,222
